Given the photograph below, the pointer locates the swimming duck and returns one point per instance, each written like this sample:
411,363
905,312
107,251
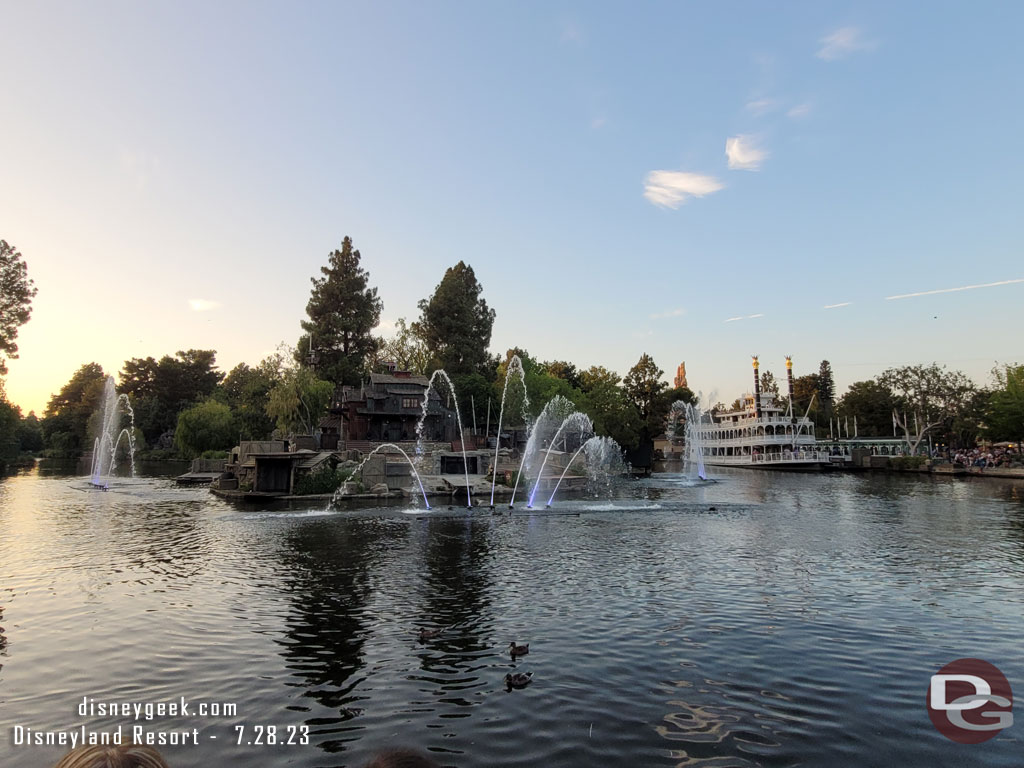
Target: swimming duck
518,650
518,679
428,634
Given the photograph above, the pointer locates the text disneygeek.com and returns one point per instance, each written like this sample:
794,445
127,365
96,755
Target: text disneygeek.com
241,734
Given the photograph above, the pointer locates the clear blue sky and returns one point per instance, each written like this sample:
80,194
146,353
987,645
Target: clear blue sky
624,178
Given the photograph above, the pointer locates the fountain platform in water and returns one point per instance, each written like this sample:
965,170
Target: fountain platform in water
114,435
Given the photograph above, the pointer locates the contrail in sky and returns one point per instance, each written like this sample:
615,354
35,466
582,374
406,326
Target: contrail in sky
953,290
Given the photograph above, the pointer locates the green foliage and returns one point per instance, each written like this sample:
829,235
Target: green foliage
473,389
769,385
805,395
872,403
16,294
826,387
643,385
564,370
455,324
204,427
343,311
405,349
325,479
65,422
1004,419
299,400
247,391
10,420
160,390
610,409
935,395
30,434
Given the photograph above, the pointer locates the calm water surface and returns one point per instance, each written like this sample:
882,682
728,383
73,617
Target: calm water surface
797,623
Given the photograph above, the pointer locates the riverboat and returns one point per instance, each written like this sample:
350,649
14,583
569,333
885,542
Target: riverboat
760,434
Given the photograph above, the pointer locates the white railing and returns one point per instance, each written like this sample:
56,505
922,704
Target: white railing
772,457
761,440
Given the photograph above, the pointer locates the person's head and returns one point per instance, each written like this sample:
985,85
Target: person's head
112,756
401,758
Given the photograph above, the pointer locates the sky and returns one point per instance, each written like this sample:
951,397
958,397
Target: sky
697,181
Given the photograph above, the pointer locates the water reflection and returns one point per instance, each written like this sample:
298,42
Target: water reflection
328,579
766,619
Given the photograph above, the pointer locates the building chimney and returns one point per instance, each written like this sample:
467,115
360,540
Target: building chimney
757,389
789,379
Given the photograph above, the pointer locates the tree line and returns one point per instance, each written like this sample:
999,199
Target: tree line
184,405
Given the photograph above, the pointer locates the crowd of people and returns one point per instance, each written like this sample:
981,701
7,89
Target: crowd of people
1004,457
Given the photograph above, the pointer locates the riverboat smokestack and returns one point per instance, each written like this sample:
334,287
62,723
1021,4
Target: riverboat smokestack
789,380
757,389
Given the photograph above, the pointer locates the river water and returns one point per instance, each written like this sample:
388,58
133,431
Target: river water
766,619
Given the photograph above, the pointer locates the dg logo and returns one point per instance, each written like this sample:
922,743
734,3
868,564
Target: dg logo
969,701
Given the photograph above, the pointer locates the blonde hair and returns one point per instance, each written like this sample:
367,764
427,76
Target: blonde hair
112,756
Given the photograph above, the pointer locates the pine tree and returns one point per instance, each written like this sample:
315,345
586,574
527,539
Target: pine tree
826,387
342,310
455,323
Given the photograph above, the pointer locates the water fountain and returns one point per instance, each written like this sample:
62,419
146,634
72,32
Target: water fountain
573,422
340,493
458,417
602,458
558,424
515,366
110,432
694,443
554,413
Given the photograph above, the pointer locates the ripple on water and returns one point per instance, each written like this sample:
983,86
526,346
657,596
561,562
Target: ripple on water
797,623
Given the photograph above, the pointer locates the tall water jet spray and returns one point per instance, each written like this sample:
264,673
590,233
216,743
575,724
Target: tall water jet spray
458,416
554,412
515,366
339,494
114,408
694,442
602,456
573,420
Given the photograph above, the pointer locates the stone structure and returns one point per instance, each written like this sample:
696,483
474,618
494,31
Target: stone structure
680,379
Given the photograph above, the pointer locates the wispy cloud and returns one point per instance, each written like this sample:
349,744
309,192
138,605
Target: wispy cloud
799,111
598,122
743,153
670,189
842,43
761,106
677,312
203,305
745,317
836,306
954,290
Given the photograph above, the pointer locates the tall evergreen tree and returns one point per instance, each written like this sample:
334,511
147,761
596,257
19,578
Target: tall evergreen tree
16,293
66,419
826,387
342,310
643,385
769,385
455,323
645,389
